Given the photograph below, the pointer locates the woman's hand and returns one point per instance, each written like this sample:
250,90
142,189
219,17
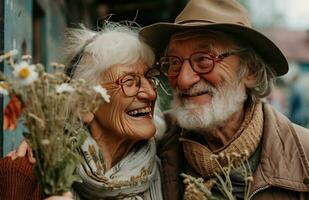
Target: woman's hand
65,196
22,151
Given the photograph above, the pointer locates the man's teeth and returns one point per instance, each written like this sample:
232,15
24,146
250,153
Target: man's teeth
192,94
140,111
200,93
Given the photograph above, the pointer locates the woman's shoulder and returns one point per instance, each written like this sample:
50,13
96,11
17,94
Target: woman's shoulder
18,180
18,167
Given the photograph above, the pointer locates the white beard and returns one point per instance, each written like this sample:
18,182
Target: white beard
226,100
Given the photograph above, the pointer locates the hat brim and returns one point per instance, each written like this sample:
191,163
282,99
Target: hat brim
158,35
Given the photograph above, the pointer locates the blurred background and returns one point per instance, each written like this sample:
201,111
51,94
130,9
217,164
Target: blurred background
36,27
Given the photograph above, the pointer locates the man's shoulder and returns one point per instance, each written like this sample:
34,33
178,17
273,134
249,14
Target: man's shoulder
292,130
301,131
303,135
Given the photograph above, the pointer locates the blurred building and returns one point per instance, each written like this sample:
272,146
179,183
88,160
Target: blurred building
290,95
292,14
293,43
31,27
37,27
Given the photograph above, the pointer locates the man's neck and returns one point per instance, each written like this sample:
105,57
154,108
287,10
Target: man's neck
221,135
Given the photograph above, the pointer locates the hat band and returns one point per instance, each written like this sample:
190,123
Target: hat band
194,22
201,22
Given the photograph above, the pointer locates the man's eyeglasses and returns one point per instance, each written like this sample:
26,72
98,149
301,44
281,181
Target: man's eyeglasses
200,62
131,83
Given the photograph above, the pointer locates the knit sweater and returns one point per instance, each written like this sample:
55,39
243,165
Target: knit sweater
18,181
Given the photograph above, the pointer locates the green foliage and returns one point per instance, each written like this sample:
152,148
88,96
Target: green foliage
165,100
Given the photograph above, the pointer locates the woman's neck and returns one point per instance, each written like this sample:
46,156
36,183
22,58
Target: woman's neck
114,147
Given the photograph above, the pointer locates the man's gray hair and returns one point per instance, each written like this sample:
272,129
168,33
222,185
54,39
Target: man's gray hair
252,63
89,53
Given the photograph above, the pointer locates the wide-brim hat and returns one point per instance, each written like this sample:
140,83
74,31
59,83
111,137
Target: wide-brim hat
227,16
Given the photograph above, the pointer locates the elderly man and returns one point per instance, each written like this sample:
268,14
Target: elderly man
219,69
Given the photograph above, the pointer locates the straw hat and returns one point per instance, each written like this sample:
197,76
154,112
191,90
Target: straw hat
224,15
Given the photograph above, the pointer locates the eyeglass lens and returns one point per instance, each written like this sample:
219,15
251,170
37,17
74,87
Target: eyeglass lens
200,62
131,83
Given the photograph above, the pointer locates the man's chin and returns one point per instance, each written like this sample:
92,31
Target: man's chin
189,116
200,100
192,106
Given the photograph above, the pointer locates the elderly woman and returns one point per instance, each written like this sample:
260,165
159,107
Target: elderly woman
120,154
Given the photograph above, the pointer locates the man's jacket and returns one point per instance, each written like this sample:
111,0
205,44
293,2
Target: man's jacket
283,170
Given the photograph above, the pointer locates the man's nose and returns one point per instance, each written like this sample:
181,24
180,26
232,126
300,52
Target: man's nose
146,90
187,76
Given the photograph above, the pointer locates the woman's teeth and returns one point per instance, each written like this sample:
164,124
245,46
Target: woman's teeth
140,112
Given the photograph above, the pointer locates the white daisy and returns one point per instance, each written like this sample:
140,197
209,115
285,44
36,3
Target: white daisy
102,91
14,52
64,87
25,73
26,57
3,89
8,54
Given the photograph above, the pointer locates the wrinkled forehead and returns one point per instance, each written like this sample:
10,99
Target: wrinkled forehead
208,39
117,70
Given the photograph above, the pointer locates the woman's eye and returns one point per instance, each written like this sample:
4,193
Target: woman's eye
128,81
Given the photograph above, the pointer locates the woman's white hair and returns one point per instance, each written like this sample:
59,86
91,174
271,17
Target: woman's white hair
89,53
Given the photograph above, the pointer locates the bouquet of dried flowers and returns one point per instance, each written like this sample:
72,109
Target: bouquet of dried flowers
197,189
51,106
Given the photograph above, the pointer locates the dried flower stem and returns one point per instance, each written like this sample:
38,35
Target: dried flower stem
53,121
234,162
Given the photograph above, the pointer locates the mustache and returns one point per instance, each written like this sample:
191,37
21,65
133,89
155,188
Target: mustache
203,86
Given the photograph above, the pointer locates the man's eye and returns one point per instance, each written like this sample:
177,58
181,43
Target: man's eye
174,61
201,58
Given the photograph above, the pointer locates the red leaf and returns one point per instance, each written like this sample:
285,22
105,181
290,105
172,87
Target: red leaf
12,113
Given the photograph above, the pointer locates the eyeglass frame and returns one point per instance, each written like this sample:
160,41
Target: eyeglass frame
210,56
155,81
